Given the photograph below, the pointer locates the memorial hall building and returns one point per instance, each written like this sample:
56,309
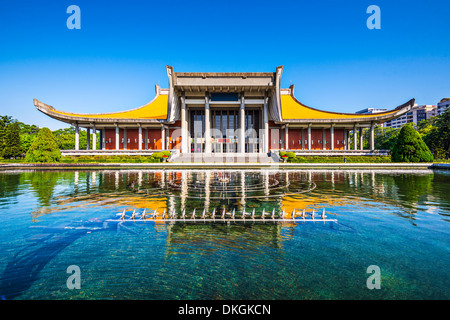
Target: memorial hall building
225,113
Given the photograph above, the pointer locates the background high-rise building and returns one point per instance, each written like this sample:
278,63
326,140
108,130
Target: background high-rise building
415,115
372,110
443,105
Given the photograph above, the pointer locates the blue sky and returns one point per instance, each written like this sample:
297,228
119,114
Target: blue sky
121,51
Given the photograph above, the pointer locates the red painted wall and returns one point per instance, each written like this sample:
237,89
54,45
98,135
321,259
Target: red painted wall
132,139
316,137
110,139
154,139
295,138
338,139
110,134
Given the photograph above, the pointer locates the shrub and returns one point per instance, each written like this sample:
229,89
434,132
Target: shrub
282,153
166,152
291,154
43,148
410,147
108,159
340,159
158,156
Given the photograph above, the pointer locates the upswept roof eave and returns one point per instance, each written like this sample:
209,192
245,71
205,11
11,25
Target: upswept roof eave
112,117
76,119
346,117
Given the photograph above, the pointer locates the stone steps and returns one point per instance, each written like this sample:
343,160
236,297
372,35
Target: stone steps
223,158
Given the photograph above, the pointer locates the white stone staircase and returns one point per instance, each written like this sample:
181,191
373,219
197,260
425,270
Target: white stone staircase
222,158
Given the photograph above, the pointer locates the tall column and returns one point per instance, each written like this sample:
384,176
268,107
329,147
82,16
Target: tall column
88,138
332,137
146,139
139,136
309,136
355,138
77,137
345,139
103,139
361,142
324,139
117,137
207,134
372,136
242,125
348,140
94,138
163,138
266,124
184,138
100,140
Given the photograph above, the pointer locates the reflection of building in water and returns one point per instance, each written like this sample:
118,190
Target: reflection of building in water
321,197
207,238
231,191
201,190
108,188
228,190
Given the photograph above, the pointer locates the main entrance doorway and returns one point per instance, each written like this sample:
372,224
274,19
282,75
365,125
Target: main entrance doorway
224,130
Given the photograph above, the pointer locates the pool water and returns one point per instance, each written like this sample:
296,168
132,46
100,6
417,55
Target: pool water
396,220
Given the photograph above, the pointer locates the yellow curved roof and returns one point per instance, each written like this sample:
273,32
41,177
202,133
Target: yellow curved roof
155,109
291,109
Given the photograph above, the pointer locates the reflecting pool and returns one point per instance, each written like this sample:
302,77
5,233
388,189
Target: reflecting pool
396,220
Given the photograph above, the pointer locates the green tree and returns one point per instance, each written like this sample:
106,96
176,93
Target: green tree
443,133
26,140
28,129
44,148
424,127
65,138
429,133
435,133
385,138
4,121
410,146
12,147
27,135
